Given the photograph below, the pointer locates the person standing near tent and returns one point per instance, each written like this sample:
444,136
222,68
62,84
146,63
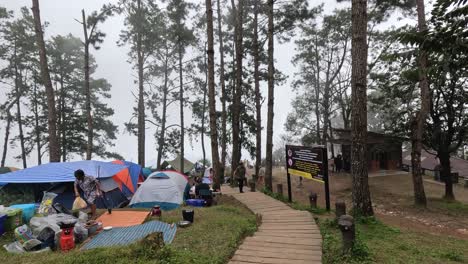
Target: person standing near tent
90,187
239,173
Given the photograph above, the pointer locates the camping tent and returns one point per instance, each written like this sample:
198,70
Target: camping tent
206,176
128,179
167,189
175,163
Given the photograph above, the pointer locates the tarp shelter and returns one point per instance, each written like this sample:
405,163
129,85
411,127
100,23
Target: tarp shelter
175,163
128,178
58,177
61,172
167,189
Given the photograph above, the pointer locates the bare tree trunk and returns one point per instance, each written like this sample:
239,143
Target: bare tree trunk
204,111
317,91
444,158
7,132
181,99
164,113
18,91
362,204
36,125
211,96
54,148
141,91
420,118
61,123
258,105
238,38
271,98
330,128
223,93
89,117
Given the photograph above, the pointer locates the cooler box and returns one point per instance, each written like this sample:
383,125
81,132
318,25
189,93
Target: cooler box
28,211
3,218
195,202
14,219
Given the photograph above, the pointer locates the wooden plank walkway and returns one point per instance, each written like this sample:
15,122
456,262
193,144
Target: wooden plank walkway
286,236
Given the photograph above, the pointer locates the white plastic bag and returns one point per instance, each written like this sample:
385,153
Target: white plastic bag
46,203
79,204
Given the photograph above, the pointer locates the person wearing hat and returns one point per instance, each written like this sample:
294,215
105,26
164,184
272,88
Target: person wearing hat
239,174
90,187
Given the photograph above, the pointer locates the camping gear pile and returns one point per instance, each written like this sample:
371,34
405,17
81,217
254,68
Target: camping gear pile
57,223
42,228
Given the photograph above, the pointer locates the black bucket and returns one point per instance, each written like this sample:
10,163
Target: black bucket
188,215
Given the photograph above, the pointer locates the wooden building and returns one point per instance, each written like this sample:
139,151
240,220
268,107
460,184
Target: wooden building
384,152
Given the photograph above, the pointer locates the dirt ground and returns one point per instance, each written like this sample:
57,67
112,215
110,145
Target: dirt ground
392,197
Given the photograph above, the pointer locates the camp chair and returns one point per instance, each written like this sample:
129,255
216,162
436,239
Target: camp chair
206,195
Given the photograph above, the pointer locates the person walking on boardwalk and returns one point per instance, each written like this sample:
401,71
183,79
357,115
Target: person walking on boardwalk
239,174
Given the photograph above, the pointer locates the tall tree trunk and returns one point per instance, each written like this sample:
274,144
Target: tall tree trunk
238,38
204,111
223,94
7,132
62,119
18,91
420,118
444,158
330,129
362,204
181,99
54,148
162,133
141,91
271,98
317,91
211,96
36,125
89,117
258,105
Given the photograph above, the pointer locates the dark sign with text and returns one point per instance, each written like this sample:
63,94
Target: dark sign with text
305,161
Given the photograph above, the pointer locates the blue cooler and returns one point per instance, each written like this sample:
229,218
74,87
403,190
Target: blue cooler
195,202
3,218
28,211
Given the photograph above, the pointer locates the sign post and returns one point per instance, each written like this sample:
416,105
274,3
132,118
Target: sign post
310,163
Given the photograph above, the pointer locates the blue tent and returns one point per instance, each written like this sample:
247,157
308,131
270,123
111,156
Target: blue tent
62,172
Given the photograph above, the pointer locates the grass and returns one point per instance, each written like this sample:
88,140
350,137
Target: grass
380,243
213,238
450,207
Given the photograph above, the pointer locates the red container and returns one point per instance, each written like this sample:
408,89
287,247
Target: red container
156,211
67,239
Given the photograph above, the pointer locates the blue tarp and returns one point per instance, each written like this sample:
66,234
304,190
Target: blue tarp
62,172
120,236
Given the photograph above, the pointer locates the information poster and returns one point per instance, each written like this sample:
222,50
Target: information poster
306,162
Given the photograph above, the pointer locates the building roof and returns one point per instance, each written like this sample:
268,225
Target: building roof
429,161
343,136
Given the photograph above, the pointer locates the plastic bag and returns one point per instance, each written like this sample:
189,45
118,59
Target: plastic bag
14,247
46,204
23,234
81,233
79,203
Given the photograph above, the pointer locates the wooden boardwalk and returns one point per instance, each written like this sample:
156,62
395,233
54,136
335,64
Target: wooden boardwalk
285,236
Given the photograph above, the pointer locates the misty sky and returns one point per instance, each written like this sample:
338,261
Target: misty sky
113,66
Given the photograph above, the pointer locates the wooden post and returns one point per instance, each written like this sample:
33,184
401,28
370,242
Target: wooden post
313,200
348,232
252,186
279,189
340,209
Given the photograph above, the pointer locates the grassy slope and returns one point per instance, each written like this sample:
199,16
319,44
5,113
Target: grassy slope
212,238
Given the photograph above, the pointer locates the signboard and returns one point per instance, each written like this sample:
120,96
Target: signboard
310,163
306,162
